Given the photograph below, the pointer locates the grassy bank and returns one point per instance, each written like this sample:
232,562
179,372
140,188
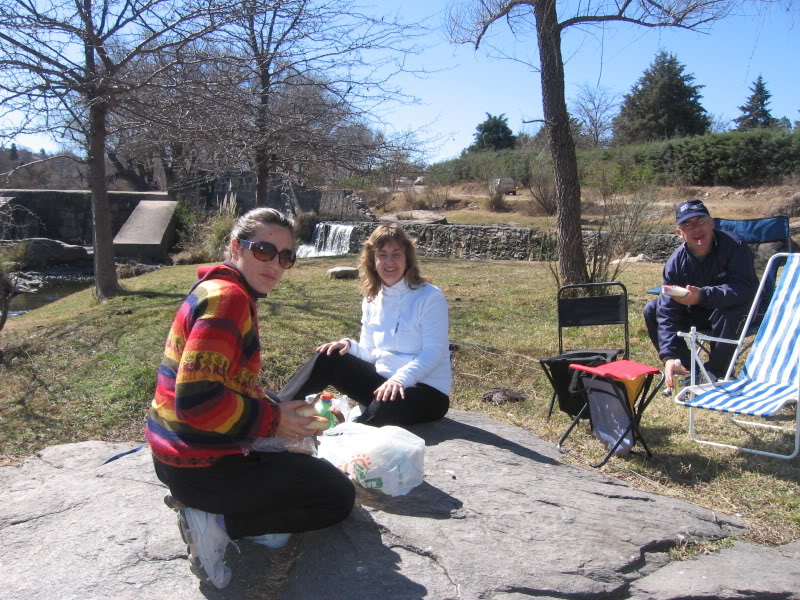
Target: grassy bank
76,370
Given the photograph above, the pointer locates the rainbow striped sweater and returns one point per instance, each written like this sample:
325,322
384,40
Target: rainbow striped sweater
207,404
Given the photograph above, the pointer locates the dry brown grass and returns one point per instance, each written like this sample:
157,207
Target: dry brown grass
469,204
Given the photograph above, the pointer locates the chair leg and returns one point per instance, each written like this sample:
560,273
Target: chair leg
795,452
552,404
570,428
614,447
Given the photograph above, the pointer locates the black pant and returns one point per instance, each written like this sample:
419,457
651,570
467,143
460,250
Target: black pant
358,379
723,323
264,492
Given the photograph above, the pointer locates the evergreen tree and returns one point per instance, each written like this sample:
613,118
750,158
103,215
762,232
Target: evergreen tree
663,104
755,114
493,134
13,154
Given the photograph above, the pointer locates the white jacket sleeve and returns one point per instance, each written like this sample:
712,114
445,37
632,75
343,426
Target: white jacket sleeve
363,348
434,329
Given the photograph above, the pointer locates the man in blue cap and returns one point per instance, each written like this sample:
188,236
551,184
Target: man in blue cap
716,269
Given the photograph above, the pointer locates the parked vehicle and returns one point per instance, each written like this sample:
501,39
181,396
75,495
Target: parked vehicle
419,180
503,185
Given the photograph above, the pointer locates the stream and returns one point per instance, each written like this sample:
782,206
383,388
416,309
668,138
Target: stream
52,290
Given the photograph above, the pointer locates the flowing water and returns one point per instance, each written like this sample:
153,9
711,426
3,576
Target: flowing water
51,291
330,239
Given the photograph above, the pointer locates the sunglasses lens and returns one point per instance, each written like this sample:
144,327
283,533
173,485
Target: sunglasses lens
264,251
287,258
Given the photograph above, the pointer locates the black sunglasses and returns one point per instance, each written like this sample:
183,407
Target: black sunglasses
265,252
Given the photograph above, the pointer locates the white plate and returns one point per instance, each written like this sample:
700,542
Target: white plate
675,290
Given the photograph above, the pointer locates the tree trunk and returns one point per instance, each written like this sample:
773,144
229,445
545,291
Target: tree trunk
262,175
572,259
105,272
6,289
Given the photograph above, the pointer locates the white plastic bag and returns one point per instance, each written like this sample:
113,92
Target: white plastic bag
389,458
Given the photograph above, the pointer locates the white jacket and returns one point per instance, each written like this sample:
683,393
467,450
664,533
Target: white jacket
404,332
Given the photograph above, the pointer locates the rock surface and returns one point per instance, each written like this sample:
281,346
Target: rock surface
498,516
342,273
43,252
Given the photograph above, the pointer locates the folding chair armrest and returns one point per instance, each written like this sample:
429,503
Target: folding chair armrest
708,338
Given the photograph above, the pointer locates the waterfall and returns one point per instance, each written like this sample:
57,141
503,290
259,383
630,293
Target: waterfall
330,239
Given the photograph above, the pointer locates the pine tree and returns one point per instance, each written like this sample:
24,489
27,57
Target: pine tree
755,114
663,104
493,134
13,154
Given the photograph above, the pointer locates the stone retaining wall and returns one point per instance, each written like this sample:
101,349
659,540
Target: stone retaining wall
498,243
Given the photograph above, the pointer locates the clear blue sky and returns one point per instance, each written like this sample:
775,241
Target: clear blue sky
469,84
726,61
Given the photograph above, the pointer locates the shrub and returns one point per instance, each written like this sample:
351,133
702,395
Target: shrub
305,223
496,202
627,219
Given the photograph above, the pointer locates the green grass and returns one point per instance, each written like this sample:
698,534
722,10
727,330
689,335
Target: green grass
77,370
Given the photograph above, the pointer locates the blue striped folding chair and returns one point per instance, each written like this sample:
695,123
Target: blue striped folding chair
770,377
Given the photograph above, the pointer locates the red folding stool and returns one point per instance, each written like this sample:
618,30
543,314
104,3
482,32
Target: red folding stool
616,395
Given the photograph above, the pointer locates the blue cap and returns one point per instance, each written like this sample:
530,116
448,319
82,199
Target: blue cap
688,209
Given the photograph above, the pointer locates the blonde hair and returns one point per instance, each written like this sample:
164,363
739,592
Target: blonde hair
247,225
383,234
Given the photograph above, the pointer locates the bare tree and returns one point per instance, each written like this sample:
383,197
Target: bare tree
595,107
470,20
288,88
66,67
311,68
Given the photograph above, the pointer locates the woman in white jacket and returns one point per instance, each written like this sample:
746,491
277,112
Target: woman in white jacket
400,367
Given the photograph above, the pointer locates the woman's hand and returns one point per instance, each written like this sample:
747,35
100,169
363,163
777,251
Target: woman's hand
292,424
342,346
389,391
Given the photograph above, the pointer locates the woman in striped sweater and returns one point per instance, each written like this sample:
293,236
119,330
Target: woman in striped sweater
208,410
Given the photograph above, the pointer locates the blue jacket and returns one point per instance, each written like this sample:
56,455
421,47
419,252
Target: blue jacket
727,279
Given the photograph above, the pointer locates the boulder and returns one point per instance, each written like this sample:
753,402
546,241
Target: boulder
497,516
630,259
416,216
44,252
342,273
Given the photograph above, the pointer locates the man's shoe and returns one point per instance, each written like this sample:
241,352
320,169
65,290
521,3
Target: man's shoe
270,540
207,542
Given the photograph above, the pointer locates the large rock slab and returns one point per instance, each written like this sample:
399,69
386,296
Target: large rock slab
743,572
44,252
498,516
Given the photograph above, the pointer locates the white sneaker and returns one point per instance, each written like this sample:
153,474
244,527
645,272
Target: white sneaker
207,542
270,540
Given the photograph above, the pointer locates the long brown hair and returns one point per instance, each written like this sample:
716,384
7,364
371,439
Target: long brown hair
383,234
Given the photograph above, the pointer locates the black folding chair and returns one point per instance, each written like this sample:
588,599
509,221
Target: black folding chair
584,305
615,395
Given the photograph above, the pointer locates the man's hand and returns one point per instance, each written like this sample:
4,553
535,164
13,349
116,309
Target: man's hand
673,367
694,297
390,390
